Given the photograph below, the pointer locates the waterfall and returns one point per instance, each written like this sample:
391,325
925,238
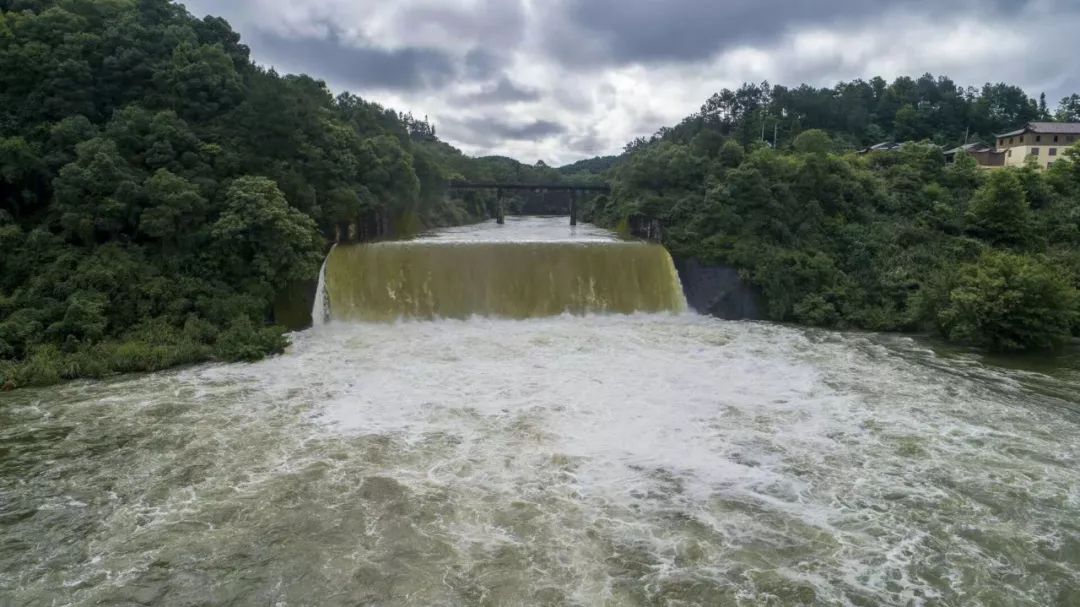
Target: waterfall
427,280
320,311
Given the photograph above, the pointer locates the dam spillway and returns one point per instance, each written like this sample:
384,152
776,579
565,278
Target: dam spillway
543,272
615,459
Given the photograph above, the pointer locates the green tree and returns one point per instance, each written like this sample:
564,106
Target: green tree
387,171
857,240
201,81
1069,109
906,124
664,167
708,143
21,175
814,141
175,207
1010,302
133,236
342,204
261,240
84,318
999,211
96,194
731,154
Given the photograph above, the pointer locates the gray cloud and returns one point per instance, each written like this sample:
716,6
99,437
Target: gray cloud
563,79
502,91
506,90
487,131
589,143
498,23
622,31
481,63
694,29
537,129
501,130
354,64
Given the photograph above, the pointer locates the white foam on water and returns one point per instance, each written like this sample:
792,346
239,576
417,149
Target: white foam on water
758,434
320,310
622,460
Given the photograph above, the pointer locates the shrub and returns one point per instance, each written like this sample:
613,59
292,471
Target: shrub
42,367
813,141
245,342
816,311
732,154
1000,212
1010,302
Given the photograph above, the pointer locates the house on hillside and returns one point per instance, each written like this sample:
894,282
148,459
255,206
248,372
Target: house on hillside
1044,141
983,154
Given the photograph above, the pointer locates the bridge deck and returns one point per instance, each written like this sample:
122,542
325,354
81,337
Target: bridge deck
550,187
555,187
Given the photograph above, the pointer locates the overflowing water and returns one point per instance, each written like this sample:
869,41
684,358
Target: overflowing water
643,459
320,311
532,268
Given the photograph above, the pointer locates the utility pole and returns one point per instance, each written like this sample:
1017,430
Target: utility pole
775,130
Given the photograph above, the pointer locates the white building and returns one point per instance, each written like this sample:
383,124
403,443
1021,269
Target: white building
1044,141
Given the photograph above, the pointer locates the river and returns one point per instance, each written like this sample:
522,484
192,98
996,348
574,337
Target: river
598,459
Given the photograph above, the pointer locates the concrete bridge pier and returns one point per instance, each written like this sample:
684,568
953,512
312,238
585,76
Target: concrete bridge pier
500,211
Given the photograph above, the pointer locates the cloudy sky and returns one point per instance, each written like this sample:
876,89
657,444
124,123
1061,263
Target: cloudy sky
560,80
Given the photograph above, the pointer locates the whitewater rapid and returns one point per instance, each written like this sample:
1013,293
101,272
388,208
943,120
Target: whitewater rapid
644,459
623,460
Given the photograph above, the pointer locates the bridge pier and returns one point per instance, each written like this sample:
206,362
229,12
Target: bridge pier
500,212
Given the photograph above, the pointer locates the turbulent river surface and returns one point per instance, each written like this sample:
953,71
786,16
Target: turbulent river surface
643,459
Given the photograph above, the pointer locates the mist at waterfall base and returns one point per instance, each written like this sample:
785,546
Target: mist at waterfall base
652,458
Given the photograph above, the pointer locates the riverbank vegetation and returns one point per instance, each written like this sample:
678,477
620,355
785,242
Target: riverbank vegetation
886,241
157,188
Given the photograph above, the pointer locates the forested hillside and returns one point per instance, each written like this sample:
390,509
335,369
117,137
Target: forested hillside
882,241
590,168
157,188
860,113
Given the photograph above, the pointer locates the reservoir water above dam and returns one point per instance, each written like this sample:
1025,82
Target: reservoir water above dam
566,435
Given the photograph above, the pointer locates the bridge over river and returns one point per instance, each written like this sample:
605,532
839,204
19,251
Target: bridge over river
500,188
373,225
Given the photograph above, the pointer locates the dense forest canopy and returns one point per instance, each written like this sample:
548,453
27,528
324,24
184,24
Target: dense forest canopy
157,188
885,241
860,113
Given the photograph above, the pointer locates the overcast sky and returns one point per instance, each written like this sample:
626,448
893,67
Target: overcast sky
560,80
